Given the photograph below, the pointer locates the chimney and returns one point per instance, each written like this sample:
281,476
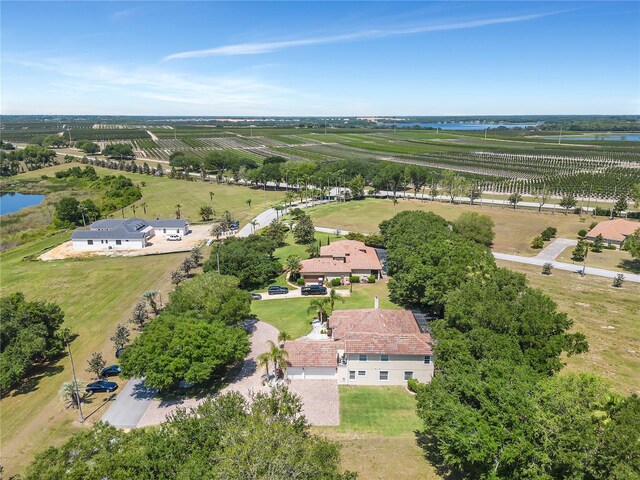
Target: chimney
376,302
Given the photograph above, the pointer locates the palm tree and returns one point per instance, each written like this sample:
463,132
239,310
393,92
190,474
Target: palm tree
333,296
395,202
283,337
70,393
320,306
144,207
254,224
279,357
211,194
263,361
133,209
292,265
248,202
178,207
289,197
278,209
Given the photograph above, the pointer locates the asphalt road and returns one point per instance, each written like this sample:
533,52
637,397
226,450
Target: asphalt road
129,406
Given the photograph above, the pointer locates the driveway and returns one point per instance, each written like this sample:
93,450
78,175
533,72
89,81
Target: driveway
130,404
555,248
297,293
248,380
320,400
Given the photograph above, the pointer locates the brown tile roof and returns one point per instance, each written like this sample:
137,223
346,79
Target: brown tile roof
615,230
379,331
312,353
357,255
323,265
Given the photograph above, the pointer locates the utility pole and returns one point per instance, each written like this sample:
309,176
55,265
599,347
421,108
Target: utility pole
560,138
75,380
218,257
485,132
584,266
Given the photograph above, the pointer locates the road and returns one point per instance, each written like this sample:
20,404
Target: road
129,406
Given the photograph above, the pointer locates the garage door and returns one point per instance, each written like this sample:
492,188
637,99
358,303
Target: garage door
311,373
313,278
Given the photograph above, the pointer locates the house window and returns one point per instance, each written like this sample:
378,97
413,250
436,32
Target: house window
362,373
362,358
384,358
384,376
118,242
427,359
89,242
408,375
352,374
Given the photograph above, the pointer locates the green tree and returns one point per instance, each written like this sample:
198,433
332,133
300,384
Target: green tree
568,202
304,231
476,227
187,265
206,213
514,199
139,315
579,251
67,212
177,277
537,242
313,250
632,244
176,347
321,307
150,297
95,364
70,394
621,204
293,266
276,231
598,244
88,146
634,193
356,186
120,337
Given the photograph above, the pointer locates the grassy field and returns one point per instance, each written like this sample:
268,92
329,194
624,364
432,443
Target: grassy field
608,316
290,314
515,229
95,294
376,430
608,259
162,194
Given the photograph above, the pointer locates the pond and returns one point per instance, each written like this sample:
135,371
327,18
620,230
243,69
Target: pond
11,202
619,137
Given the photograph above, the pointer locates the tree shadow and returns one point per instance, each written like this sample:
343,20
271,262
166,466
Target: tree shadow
428,445
36,374
632,266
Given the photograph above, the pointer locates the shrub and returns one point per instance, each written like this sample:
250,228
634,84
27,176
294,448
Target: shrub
537,242
300,282
354,279
335,282
618,280
546,268
610,247
593,225
582,233
413,385
371,278
548,233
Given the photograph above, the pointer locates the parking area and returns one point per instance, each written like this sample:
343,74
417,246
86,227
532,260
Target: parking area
297,293
157,244
320,400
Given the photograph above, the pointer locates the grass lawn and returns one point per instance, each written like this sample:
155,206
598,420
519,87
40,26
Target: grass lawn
293,248
290,314
162,194
95,294
608,316
376,430
515,229
608,259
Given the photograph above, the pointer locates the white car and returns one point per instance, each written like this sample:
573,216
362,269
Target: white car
173,238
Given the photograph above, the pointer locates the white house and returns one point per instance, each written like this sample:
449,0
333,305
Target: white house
341,259
126,234
367,347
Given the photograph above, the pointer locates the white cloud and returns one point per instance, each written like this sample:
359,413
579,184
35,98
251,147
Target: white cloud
272,46
122,14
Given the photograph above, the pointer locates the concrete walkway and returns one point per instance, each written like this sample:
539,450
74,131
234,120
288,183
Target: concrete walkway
555,248
297,293
130,404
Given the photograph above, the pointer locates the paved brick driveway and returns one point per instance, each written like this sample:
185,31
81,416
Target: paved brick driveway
321,402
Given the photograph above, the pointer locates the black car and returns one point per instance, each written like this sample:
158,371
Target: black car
119,351
102,386
276,290
256,296
313,290
111,371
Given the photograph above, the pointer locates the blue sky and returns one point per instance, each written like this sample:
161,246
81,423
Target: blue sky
324,58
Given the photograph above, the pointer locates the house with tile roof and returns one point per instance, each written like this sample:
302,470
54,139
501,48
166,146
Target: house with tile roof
341,259
125,234
365,347
614,231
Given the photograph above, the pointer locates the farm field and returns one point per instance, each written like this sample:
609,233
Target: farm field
514,228
95,294
608,316
377,426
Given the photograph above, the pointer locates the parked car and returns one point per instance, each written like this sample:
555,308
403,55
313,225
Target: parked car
277,290
235,225
256,296
102,386
111,371
314,290
174,237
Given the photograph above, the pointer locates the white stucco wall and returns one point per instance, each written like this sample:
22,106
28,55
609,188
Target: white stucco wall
396,366
83,245
311,373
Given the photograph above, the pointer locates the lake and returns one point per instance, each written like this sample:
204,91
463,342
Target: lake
626,137
12,202
460,126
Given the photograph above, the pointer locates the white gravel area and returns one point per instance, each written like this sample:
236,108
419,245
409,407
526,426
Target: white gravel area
249,379
158,244
320,399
